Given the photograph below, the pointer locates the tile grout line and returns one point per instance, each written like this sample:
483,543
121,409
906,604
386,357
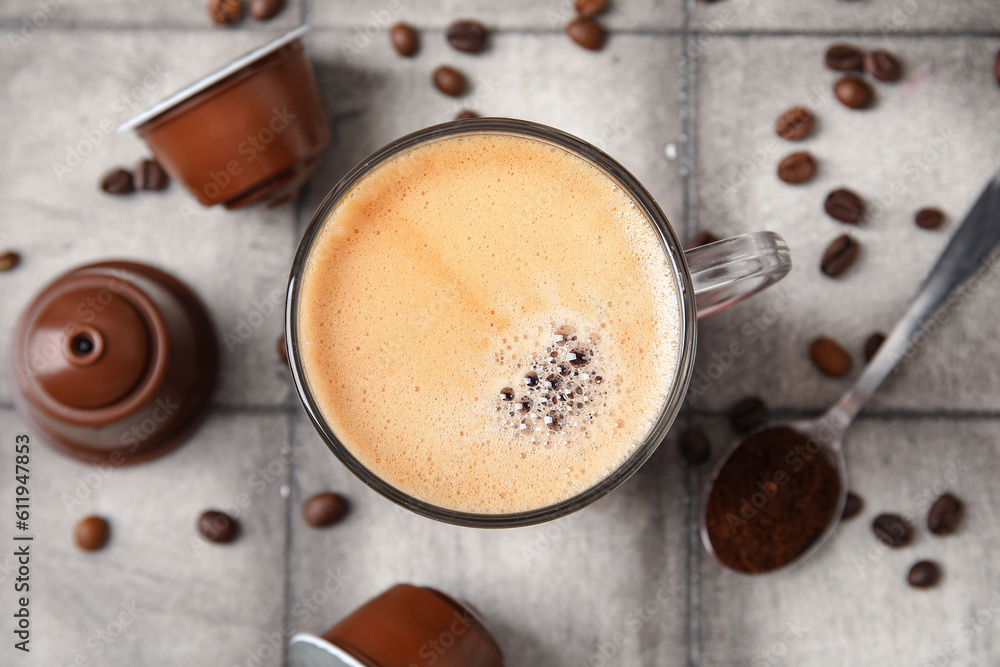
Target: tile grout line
684,32
286,610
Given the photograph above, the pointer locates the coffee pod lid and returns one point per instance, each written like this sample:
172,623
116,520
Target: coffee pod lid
91,345
212,79
306,650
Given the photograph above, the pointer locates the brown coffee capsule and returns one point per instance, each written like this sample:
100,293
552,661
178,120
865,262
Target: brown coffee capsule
114,363
416,618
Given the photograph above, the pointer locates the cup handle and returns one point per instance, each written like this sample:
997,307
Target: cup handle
730,270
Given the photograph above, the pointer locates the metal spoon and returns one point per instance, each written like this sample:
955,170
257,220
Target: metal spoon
969,247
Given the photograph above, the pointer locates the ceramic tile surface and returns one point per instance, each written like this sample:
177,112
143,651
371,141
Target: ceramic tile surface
684,95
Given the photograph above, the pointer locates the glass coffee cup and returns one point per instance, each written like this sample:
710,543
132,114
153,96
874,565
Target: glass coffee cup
705,280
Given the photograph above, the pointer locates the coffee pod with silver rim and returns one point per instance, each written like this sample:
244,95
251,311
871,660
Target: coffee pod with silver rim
403,626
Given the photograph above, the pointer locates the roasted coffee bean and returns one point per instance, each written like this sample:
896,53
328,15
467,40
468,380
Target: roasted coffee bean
217,527
852,506
845,206
797,168
404,39
589,8
588,33
92,533
694,445
264,10
924,574
844,58
149,175
830,357
945,515
854,93
748,414
323,509
794,124
9,260
929,218
449,81
225,12
883,65
839,255
467,36
892,530
118,182
281,349
872,345
701,238
466,114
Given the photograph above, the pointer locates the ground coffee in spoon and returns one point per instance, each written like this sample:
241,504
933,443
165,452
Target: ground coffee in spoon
772,499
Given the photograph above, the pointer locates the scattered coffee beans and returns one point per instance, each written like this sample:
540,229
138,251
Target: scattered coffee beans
845,206
694,445
701,238
588,33
466,114
872,345
589,8
892,530
945,515
225,12
265,10
748,414
794,124
797,168
852,506
149,175
118,182
768,505
830,357
323,509
854,93
217,527
929,218
883,65
404,39
839,255
92,533
844,58
449,81
9,260
924,574
467,36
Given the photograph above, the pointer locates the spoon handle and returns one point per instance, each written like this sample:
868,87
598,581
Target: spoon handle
970,245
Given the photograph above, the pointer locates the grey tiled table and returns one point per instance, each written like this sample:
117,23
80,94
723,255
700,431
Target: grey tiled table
561,594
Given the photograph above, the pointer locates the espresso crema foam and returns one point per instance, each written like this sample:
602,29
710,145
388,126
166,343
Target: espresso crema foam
489,323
